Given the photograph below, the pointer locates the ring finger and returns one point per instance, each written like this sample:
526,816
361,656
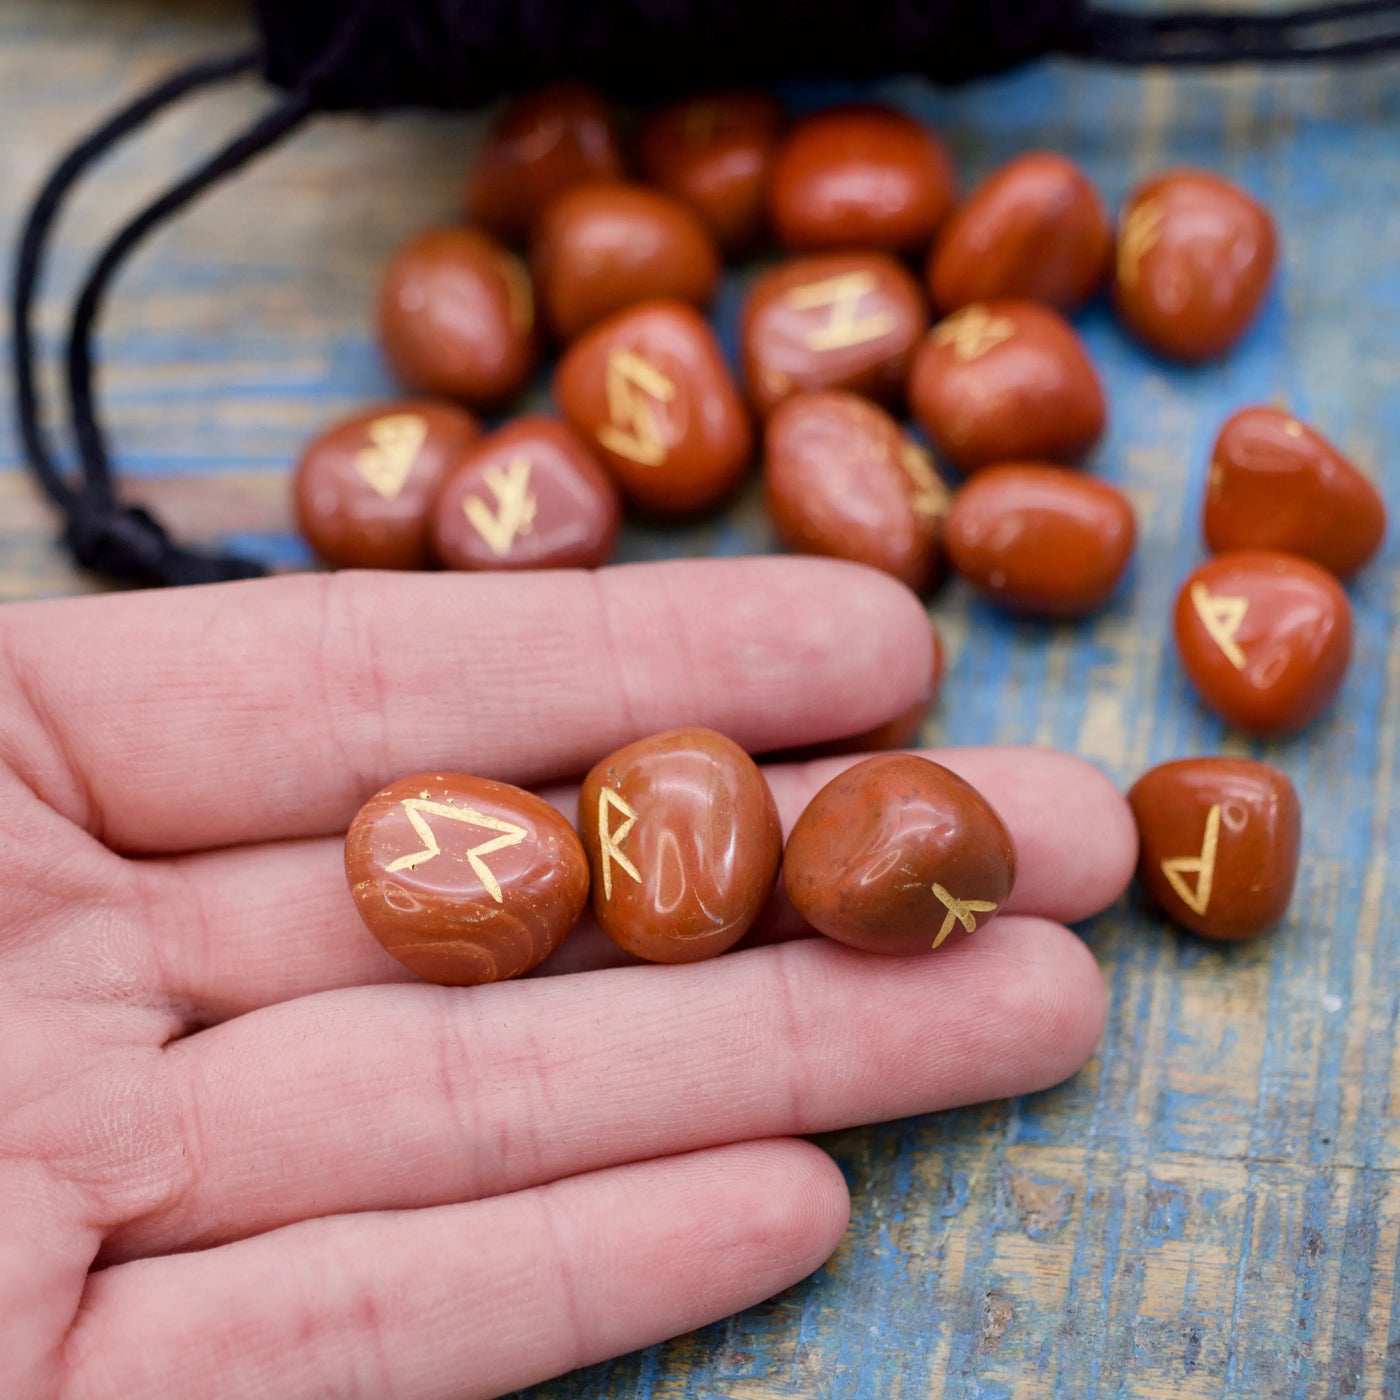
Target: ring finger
423,1095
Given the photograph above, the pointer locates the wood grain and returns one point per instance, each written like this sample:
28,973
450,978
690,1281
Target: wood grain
1211,1209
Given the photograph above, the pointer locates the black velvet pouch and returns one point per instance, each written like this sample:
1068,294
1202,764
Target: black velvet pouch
458,53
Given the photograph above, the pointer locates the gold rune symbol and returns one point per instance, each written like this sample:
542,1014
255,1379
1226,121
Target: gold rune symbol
973,331
608,841
515,506
1137,238
931,497
1201,866
960,911
633,431
1221,617
416,807
394,444
843,327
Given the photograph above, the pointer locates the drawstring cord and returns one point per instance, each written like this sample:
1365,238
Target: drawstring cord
1353,29
103,535
123,543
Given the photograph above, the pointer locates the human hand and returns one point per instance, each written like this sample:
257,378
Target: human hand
243,1152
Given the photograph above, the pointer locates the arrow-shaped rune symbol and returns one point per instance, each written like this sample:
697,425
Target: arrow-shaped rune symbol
395,442
515,506
416,807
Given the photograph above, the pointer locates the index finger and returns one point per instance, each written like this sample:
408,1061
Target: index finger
258,711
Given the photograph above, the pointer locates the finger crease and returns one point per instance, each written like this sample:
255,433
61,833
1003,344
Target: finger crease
355,692
80,804
562,1271
612,657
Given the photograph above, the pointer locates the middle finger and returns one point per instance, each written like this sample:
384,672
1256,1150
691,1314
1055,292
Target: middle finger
255,926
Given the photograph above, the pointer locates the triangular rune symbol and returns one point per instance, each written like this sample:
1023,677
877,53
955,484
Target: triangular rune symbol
1221,617
1201,866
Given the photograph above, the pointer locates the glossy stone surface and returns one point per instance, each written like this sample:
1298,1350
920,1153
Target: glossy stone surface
1004,381
714,153
363,488
544,142
839,321
1218,843
603,246
1195,255
683,840
898,855
1276,483
465,880
1265,638
649,386
1041,539
842,479
530,496
457,317
1035,230
859,177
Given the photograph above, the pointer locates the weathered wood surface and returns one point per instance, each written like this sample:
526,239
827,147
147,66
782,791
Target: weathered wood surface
1212,1208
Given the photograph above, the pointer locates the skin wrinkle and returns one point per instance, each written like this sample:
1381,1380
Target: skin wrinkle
560,1269
549,1106
29,904
169,885
357,721
186,1128
456,1083
82,1246
79,805
133,1157
612,655
793,1031
677,640
361,1332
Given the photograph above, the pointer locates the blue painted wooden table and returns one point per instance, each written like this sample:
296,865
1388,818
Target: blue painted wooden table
1212,1207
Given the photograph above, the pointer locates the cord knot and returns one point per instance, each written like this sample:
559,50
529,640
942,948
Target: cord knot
128,542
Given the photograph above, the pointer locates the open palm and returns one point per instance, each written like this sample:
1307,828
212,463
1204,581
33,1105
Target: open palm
245,1153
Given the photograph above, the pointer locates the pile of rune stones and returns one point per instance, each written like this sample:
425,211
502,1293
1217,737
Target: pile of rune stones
467,880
